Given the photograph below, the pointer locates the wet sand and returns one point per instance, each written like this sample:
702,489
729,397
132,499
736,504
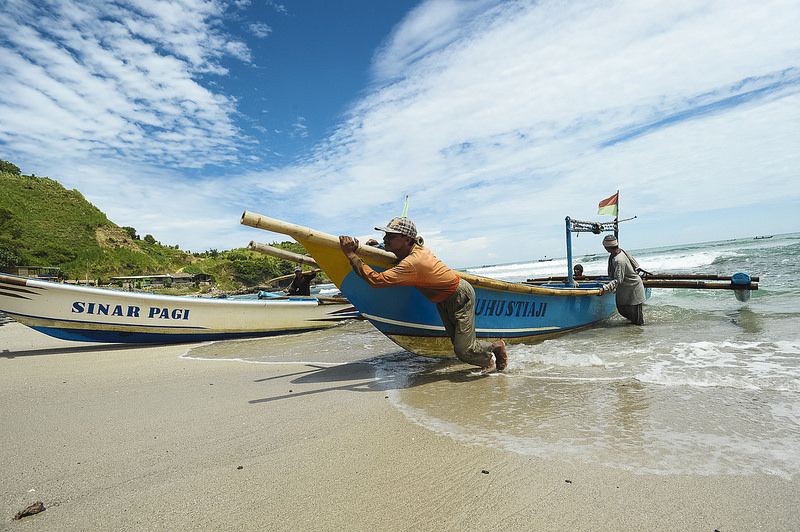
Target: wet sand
138,438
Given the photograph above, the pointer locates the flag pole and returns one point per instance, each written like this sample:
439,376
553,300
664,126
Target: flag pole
616,219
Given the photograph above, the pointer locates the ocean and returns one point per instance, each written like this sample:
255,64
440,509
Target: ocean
709,385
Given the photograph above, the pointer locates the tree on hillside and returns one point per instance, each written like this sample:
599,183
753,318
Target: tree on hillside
9,168
7,259
131,232
150,239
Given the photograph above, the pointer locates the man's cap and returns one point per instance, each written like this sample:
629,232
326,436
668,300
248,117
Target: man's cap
610,241
402,226
298,269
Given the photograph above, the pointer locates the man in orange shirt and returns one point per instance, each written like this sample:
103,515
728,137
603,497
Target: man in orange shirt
453,296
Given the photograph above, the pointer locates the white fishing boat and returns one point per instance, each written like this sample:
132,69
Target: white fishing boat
98,315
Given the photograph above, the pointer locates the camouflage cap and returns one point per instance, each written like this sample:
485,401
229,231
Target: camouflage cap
402,226
610,241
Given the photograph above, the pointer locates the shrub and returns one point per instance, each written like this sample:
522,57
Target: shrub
9,168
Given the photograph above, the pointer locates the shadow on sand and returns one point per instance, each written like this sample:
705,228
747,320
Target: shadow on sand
398,370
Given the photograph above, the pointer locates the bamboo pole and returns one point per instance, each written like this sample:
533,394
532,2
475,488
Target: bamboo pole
652,276
371,254
287,277
698,284
696,281
699,276
284,254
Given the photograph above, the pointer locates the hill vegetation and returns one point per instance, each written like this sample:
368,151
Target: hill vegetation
44,224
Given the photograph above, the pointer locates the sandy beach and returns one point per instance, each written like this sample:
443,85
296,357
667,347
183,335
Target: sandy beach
138,438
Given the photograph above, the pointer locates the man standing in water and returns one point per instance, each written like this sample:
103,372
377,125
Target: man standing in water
624,281
453,296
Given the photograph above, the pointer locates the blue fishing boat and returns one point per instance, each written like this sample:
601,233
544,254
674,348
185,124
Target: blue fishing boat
514,312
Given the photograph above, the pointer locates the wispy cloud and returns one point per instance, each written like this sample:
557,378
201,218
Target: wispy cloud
278,8
103,81
497,118
299,127
507,117
260,30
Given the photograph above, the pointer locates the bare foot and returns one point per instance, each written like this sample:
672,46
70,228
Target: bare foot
491,368
500,353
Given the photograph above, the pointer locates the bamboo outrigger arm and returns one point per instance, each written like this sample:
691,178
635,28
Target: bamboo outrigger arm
667,280
384,258
284,254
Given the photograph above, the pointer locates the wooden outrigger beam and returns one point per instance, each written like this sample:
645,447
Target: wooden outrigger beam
666,280
384,258
651,276
284,254
698,284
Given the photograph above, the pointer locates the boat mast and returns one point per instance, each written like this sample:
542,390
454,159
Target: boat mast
579,226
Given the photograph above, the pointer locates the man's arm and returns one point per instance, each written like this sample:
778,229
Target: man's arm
404,274
619,274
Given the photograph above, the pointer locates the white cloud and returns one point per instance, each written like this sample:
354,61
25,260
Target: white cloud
299,127
260,30
498,119
500,125
106,80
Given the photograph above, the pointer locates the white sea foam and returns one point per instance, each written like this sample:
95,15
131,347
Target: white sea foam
597,265
553,356
682,261
742,365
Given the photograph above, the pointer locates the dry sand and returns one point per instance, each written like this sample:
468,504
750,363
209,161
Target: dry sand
137,438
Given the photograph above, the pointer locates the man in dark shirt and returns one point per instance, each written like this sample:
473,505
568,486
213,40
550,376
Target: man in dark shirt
301,284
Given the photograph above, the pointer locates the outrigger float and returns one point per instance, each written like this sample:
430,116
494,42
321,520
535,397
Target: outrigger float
98,315
515,312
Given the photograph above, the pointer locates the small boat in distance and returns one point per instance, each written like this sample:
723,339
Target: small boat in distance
763,237
98,315
545,259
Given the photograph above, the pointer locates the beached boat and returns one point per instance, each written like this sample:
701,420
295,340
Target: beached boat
515,312
98,315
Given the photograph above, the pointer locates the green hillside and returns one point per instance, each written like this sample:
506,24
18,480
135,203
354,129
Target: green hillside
44,224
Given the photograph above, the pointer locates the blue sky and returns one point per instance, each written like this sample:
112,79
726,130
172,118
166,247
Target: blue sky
498,119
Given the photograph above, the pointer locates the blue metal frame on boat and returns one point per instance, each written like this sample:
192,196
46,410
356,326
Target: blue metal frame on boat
515,312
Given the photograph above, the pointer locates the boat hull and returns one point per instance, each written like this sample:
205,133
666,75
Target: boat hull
405,316
98,315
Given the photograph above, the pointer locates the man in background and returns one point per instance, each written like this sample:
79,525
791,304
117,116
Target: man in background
625,281
301,284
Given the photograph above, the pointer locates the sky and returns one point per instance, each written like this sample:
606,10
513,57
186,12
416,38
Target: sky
498,119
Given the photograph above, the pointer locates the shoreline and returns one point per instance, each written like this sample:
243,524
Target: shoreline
138,437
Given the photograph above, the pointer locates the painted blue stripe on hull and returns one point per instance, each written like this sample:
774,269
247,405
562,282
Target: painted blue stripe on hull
495,333
157,326
120,337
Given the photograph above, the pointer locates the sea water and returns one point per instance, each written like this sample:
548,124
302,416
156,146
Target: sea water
709,385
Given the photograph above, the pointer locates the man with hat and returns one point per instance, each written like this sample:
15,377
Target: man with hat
625,281
454,297
301,284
